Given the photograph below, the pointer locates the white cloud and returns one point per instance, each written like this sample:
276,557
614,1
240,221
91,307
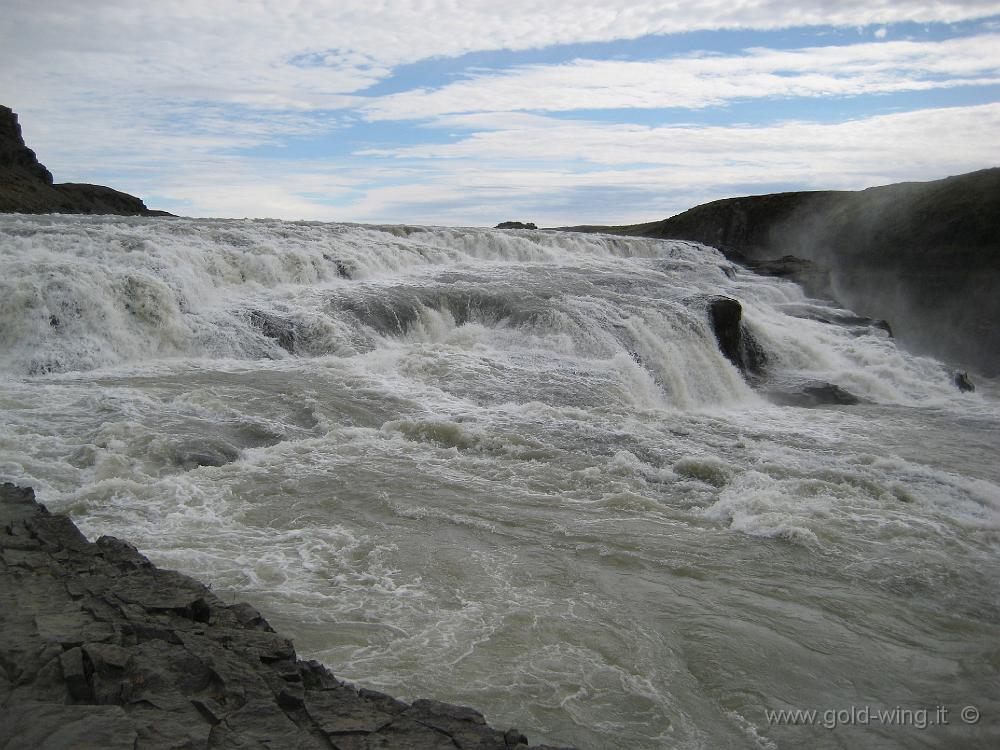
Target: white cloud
958,134
558,172
708,80
242,187
161,93
645,173
308,55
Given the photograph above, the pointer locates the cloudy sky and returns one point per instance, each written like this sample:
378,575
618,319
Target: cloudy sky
467,112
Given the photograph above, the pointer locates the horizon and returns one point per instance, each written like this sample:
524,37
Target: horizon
611,113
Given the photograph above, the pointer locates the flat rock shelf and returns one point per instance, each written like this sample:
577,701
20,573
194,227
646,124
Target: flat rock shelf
101,649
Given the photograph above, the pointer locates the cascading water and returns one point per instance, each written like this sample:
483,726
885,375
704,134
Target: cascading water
514,470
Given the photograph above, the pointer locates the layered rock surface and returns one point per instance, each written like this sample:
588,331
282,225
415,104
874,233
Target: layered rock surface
26,186
100,649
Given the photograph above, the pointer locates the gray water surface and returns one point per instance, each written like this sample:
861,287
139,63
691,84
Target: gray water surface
512,470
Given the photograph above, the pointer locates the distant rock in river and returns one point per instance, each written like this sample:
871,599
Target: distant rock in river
515,225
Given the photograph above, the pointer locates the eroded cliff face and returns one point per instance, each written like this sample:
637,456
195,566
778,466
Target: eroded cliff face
16,159
26,186
923,255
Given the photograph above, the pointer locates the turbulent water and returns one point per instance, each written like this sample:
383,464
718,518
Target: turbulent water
513,470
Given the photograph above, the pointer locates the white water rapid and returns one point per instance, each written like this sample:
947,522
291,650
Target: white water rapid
513,470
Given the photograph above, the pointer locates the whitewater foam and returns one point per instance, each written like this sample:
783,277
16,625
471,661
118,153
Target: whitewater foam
513,469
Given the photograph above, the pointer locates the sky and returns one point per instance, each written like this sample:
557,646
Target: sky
468,113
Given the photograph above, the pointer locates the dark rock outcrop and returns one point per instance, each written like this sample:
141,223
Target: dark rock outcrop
26,185
923,255
735,341
813,394
828,393
858,324
16,159
813,277
515,225
962,381
343,271
100,648
280,330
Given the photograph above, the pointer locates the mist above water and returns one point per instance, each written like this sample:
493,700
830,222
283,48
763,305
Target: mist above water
923,256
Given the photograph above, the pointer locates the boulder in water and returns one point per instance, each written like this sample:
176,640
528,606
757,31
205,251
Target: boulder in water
816,393
828,393
787,266
962,381
281,330
735,341
342,270
858,324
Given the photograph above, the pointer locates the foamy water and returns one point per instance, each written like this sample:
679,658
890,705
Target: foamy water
513,470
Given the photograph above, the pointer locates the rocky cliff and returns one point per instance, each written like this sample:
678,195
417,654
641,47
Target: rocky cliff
923,255
100,649
26,185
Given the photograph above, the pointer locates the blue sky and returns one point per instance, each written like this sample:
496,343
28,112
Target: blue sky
437,112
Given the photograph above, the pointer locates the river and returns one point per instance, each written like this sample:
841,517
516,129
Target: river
512,470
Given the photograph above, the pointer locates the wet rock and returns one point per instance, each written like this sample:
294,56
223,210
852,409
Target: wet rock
49,726
828,393
281,330
102,649
199,447
859,324
813,277
735,340
787,266
75,673
962,381
814,394
343,271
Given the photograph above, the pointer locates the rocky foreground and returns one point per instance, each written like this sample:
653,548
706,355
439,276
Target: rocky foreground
100,649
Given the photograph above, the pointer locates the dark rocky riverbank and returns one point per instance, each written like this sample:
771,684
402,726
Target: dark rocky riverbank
26,186
100,649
